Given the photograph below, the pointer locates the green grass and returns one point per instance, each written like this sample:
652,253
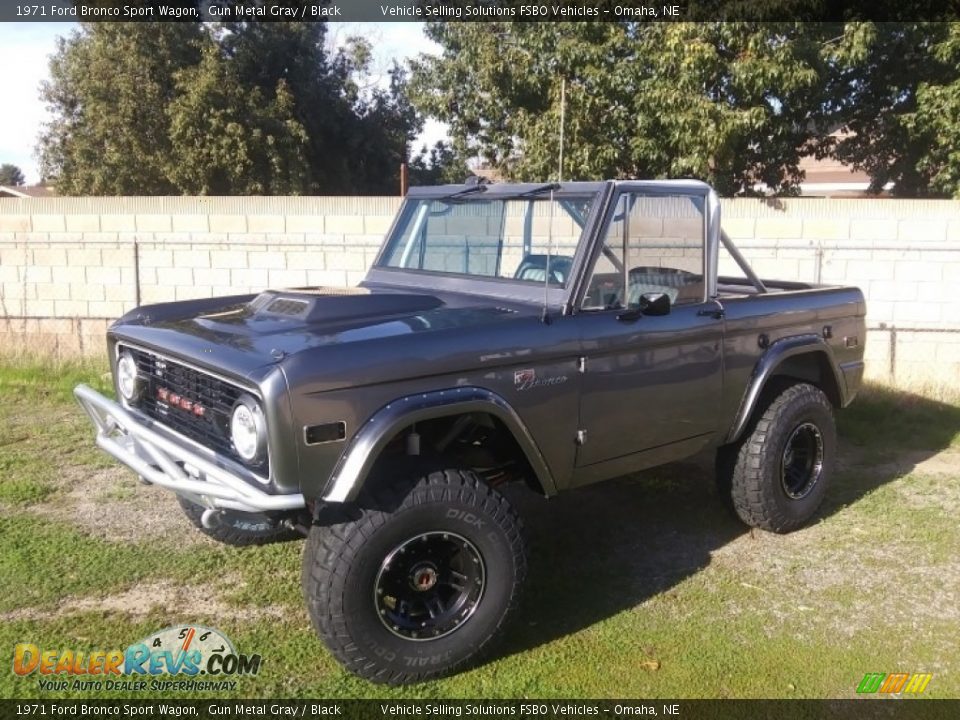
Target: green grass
642,587
44,428
29,379
20,490
886,420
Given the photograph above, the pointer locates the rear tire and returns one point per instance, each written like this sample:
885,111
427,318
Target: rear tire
778,474
237,528
419,584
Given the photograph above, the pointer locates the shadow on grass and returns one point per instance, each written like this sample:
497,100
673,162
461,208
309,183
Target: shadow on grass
886,434
603,549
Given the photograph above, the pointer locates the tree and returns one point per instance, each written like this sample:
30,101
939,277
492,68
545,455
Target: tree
438,166
110,85
226,108
735,104
383,139
227,139
321,91
11,175
895,88
938,112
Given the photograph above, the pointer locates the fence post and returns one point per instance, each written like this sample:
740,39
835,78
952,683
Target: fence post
136,271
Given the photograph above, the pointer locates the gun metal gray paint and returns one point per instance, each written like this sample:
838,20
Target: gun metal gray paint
693,374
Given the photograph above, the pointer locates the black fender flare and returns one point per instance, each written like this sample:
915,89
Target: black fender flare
766,367
354,464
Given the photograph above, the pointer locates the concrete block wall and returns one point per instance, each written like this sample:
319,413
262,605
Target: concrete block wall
69,265
665,232
903,254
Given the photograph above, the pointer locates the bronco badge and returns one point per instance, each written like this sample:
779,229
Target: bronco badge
527,379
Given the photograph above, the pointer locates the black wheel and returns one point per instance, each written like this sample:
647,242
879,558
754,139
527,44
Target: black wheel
238,528
420,582
777,476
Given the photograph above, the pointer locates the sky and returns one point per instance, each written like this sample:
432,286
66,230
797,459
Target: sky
25,49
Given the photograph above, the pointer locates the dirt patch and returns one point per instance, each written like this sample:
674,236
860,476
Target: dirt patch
113,505
837,576
147,598
946,462
814,579
921,462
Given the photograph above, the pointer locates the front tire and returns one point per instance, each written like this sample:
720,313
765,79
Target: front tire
421,582
237,528
778,474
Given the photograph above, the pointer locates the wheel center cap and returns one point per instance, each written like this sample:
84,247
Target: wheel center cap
423,578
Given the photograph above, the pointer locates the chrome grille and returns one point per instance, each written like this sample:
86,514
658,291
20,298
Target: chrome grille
167,378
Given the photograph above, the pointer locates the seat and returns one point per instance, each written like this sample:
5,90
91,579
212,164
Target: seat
679,285
534,268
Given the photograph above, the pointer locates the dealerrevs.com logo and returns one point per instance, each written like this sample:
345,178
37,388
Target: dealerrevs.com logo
894,683
190,651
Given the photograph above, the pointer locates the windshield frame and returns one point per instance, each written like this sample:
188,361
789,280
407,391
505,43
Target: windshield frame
507,288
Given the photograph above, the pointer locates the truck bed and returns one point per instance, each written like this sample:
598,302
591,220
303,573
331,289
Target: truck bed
728,286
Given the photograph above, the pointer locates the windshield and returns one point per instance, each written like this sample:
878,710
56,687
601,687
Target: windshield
513,238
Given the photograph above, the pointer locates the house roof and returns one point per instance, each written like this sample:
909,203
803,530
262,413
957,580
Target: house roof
26,191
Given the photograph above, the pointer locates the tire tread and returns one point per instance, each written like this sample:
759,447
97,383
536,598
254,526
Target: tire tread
233,536
330,549
750,491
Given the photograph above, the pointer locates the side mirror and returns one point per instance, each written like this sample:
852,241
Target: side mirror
655,304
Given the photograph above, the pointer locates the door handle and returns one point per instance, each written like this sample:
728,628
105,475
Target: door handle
630,315
716,313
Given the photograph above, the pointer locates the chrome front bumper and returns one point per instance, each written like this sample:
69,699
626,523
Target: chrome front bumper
168,464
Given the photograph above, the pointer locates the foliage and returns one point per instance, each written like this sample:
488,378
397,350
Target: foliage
938,111
246,107
895,87
224,108
227,139
642,100
110,85
734,103
438,166
11,175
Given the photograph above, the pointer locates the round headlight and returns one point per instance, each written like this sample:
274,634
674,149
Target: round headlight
128,380
248,430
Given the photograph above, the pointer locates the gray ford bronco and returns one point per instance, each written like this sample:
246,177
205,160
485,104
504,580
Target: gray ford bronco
550,335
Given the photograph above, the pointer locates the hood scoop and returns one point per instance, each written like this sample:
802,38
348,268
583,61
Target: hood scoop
286,306
317,304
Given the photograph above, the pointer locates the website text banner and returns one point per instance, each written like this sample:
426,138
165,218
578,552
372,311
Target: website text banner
516,710
476,10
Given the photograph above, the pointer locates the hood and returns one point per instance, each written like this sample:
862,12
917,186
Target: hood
245,333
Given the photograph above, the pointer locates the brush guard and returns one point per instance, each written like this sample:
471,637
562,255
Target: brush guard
161,461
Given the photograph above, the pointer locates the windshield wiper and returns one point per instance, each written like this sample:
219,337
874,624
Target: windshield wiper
483,188
466,191
536,191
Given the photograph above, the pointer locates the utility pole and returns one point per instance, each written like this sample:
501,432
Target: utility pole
563,95
563,111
